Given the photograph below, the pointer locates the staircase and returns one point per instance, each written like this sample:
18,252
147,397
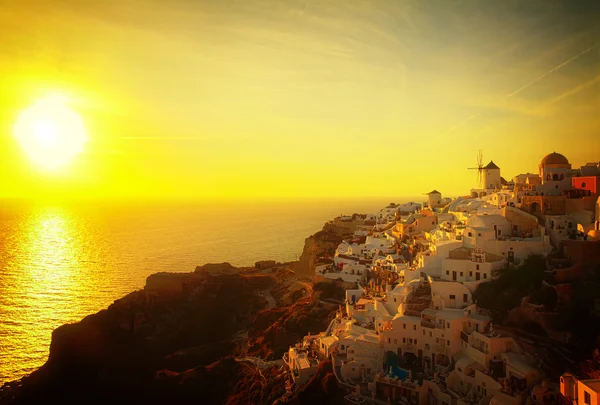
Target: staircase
419,300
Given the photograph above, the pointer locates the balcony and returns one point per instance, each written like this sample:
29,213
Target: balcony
480,347
428,323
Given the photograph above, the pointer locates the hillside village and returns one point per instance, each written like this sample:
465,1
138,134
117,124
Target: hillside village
410,330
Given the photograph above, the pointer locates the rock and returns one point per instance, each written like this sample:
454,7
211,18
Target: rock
105,358
218,268
265,264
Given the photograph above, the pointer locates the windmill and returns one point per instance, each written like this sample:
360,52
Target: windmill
479,168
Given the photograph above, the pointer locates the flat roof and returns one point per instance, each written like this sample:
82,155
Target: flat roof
480,317
329,340
369,338
593,384
303,362
429,311
450,314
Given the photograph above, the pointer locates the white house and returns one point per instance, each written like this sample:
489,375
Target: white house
470,266
302,366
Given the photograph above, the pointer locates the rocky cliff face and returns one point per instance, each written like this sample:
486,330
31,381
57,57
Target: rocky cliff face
182,321
181,340
323,243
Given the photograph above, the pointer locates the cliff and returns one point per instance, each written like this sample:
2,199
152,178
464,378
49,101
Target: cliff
180,322
323,243
183,339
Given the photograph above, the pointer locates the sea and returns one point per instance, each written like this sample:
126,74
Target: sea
60,262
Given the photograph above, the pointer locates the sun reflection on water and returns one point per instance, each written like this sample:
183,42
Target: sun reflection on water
43,285
61,263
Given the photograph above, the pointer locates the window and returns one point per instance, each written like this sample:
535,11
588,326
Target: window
403,340
395,341
587,398
410,340
414,327
484,275
461,273
465,298
389,341
437,340
448,324
447,343
479,234
583,185
470,274
403,326
430,334
447,272
470,233
415,341
476,267
394,299
452,296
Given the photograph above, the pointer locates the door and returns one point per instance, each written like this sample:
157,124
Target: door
511,256
453,276
477,276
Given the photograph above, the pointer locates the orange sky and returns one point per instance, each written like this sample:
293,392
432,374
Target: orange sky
237,99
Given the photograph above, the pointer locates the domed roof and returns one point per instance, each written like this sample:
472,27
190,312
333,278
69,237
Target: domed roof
554,159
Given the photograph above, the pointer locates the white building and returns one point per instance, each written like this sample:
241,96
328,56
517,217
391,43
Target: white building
471,266
302,366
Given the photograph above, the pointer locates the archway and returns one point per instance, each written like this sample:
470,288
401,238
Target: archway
427,363
409,359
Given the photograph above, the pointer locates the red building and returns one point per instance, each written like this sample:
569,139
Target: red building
586,185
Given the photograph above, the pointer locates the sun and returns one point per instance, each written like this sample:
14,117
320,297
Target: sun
50,132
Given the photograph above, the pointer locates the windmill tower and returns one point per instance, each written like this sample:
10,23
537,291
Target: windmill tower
433,198
479,169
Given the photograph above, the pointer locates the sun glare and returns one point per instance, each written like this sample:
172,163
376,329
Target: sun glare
50,132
